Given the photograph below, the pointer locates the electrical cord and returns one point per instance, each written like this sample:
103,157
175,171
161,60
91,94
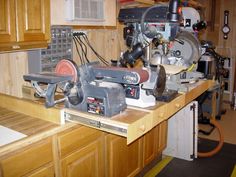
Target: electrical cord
77,49
83,49
94,51
82,40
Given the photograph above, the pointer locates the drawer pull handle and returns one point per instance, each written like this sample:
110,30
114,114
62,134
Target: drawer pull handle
15,47
177,105
161,115
142,128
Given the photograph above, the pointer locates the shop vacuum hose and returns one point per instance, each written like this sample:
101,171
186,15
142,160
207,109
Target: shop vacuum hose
220,144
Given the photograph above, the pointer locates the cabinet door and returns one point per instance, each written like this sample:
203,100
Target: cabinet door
154,142
150,141
33,20
162,131
121,159
86,162
27,160
7,21
47,171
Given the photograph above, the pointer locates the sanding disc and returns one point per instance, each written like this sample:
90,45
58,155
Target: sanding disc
67,67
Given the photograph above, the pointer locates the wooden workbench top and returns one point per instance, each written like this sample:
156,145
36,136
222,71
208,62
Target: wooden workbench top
22,123
36,129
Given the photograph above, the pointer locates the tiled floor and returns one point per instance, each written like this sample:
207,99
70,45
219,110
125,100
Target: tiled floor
228,124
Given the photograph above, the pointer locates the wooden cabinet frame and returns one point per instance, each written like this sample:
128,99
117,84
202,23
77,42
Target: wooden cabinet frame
24,24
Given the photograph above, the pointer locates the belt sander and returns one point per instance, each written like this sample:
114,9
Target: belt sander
97,89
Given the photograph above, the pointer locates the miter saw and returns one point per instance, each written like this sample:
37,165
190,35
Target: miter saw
97,89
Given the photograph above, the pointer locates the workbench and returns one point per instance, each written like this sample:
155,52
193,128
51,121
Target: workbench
70,147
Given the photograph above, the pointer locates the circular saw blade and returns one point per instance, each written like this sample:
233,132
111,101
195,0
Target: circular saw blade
190,48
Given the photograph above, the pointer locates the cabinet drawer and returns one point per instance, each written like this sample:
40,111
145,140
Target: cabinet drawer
27,160
174,106
159,115
76,138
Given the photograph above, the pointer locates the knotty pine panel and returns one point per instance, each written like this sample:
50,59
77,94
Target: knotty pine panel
12,68
107,43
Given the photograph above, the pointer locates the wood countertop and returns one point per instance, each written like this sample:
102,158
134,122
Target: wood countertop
36,129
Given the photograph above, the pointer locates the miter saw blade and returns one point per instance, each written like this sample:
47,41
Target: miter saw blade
189,49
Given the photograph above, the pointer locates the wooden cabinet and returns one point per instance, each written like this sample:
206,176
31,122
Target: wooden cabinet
150,143
121,159
86,162
154,142
85,152
162,140
24,24
46,171
7,21
29,161
81,153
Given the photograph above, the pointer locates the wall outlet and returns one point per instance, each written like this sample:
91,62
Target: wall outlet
77,32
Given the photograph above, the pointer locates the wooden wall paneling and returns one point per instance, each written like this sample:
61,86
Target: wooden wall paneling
12,68
224,47
97,39
233,16
227,47
112,45
211,34
234,43
225,5
104,41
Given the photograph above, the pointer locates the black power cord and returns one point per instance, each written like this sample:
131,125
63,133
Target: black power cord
82,40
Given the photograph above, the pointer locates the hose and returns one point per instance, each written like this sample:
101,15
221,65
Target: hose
220,144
